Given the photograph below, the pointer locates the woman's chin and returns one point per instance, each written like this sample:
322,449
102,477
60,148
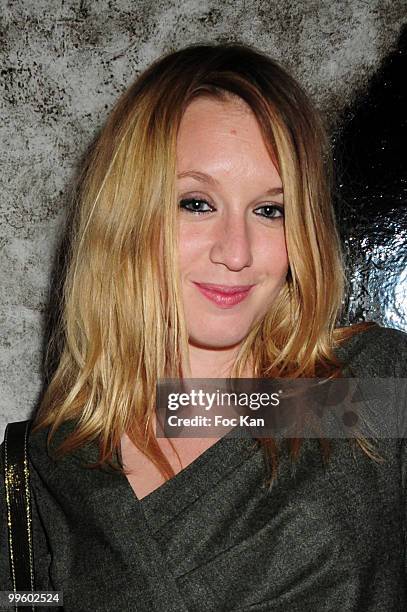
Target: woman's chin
216,343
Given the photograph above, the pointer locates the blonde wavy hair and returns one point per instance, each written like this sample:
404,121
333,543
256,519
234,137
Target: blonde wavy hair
122,324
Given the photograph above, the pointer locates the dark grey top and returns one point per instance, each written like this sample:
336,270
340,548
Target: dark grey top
213,538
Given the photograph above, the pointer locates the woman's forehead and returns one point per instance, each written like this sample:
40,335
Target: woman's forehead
219,135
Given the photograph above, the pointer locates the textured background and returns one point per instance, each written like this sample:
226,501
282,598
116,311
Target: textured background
62,66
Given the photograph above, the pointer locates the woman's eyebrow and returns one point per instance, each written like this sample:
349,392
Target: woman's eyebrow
207,178
199,176
274,191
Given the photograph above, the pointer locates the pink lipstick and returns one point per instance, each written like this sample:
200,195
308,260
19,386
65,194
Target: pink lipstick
224,296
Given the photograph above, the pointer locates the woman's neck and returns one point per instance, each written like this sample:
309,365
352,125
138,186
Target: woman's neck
210,363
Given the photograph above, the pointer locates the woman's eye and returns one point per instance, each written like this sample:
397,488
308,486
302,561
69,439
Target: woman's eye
195,205
200,206
270,211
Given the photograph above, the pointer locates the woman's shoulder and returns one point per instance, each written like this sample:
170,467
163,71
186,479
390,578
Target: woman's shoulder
376,351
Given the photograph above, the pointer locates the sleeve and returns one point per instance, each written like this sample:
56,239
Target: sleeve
400,396
404,498
384,354
404,493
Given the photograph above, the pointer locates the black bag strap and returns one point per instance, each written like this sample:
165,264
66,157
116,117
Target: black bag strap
18,503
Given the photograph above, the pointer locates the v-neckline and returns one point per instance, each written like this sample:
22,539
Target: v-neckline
188,485
200,458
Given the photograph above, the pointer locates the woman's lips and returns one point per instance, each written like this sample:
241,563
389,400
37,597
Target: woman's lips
224,296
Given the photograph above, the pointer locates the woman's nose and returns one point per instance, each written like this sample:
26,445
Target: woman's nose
232,244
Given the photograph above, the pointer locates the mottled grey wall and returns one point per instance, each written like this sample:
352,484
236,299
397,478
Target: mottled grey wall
62,66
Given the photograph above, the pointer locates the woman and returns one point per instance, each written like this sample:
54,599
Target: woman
205,247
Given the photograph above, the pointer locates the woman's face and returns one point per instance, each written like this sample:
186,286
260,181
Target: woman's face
232,250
